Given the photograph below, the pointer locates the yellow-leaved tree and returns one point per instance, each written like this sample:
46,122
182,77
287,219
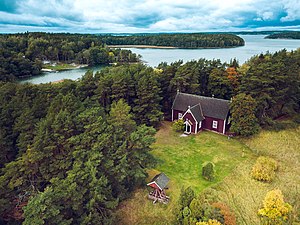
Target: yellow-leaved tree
275,210
210,222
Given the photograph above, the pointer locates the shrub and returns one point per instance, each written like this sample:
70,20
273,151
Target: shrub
178,125
209,222
196,207
275,210
185,199
208,171
202,210
264,169
229,217
186,212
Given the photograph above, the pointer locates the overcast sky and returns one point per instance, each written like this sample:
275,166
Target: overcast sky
122,16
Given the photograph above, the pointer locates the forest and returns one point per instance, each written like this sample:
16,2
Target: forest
22,55
193,40
285,35
72,151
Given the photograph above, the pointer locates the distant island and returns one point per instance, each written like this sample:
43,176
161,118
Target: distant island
28,54
141,46
191,40
285,35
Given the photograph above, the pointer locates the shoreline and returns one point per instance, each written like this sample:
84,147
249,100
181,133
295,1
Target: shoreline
141,46
57,68
167,47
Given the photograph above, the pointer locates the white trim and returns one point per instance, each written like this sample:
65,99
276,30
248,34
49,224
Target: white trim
200,124
196,127
189,111
175,100
153,182
172,115
187,123
214,124
228,121
224,126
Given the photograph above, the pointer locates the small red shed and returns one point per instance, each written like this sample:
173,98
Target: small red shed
159,184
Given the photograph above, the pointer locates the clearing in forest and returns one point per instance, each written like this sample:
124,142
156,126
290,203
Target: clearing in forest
181,158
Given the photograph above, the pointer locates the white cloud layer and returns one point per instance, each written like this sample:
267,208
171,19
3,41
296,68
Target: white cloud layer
150,15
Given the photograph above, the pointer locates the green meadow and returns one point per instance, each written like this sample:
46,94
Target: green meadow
181,159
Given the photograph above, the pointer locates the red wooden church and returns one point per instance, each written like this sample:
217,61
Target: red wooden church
159,184
199,112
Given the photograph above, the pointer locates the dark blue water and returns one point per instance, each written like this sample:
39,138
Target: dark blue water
254,45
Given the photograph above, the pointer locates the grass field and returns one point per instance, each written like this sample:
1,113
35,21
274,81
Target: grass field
181,159
61,66
245,195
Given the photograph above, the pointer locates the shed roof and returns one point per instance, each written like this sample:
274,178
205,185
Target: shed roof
161,180
211,107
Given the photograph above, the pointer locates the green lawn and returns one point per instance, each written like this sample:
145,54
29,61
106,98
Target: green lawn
59,66
181,159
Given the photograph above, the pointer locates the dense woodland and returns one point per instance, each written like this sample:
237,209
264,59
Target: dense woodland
197,40
71,151
22,54
285,35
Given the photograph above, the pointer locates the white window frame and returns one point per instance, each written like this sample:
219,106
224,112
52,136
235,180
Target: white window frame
215,124
179,115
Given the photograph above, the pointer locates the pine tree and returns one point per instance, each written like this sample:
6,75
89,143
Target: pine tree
219,84
147,107
244,122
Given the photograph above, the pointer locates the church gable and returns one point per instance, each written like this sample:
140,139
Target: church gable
201,112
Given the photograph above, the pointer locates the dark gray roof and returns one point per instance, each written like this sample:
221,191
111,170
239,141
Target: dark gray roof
161,180
211,107
197,112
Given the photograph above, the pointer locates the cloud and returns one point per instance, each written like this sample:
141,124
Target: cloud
148,15
8,5
292,8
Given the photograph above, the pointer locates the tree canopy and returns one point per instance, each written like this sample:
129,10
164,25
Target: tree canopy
70,154
191,40
22,55
71,151
285,35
